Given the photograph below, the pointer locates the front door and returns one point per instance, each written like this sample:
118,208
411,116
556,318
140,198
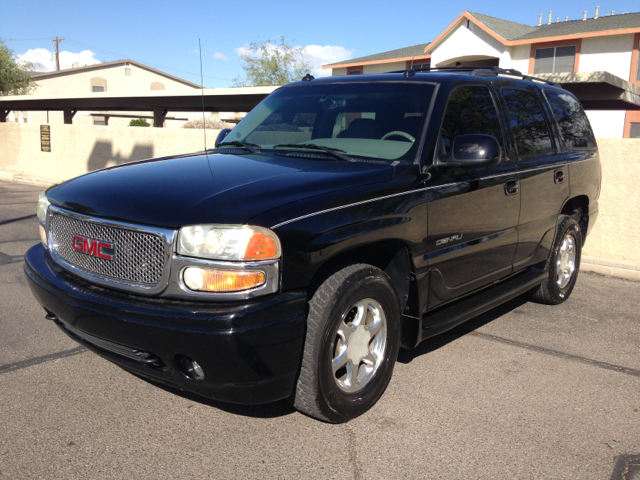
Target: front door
472,212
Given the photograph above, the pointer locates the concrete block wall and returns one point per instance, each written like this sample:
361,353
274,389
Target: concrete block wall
78,149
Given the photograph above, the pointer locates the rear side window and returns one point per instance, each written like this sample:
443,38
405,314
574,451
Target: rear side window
574,125
530,130
470,111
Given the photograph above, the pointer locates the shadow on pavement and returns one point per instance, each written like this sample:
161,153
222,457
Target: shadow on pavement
434,343
267,410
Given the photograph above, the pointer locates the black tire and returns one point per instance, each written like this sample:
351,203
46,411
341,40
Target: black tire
317,392
551,292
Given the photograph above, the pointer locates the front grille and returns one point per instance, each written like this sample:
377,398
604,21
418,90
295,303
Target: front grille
139,257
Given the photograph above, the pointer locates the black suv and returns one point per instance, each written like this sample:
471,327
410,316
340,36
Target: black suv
343,218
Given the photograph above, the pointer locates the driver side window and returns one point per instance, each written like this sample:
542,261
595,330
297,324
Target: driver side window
470,111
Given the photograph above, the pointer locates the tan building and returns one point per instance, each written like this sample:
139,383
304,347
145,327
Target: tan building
122,77
580,51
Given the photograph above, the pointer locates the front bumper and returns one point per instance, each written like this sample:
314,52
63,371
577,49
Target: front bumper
249,351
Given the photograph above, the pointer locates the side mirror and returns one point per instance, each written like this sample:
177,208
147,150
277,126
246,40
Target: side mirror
475,150
222,135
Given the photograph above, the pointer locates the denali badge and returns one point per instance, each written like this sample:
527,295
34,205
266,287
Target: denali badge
446,240
96,248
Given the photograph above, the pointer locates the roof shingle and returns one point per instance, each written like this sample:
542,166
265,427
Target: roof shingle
413,51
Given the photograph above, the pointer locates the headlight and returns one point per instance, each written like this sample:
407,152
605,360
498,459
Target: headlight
228,242
43,207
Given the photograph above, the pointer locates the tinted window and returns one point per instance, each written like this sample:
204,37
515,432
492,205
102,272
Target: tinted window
572,120
382,120
529,127
634,131
470,110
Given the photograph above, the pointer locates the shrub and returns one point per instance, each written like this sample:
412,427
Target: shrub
210,124
139,122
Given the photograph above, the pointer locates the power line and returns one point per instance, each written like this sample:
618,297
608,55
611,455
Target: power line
23,39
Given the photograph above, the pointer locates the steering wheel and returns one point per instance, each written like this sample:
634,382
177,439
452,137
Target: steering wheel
399,134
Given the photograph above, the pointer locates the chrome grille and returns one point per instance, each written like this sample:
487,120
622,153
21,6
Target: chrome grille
139,257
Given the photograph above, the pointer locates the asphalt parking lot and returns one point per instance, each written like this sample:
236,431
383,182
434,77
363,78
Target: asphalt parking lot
526,391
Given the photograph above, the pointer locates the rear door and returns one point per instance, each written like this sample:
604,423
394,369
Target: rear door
473,214
543,173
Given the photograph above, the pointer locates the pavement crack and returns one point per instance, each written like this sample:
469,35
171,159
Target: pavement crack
353,456
12,367
548,351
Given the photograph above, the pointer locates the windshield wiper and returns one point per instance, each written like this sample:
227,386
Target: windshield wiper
251,147
335,152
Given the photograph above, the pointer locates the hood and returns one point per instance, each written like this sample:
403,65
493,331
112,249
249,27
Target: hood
218,188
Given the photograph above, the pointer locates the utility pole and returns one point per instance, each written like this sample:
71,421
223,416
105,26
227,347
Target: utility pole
57,42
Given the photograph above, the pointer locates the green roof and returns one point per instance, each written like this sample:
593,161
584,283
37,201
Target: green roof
518,31
413,51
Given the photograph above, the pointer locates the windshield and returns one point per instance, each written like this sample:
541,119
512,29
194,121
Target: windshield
372,120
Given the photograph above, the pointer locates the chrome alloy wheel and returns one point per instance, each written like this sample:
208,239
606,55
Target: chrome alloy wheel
566,263
359,345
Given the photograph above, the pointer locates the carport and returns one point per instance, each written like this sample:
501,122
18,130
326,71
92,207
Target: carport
158,102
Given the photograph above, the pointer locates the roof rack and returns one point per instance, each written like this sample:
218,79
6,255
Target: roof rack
477,71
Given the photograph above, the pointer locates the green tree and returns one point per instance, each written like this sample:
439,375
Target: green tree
271,63
15,76
139,122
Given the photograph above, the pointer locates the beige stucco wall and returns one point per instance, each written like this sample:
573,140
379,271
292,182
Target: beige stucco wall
385,67
609,54
117,82
465,43
78,149
339,71
616,234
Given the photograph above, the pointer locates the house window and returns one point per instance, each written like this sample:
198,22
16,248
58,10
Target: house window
100,121
98,84
127,72
157,86
421,66
555,59
355,72
634,131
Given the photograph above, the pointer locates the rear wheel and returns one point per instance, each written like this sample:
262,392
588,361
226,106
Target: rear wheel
352,341
563,264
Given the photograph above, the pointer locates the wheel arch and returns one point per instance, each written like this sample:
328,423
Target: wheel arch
578,207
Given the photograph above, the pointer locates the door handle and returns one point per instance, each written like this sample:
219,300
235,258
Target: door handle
511,187
558,176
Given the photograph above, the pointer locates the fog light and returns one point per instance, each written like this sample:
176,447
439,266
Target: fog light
221,281
189,368
43,236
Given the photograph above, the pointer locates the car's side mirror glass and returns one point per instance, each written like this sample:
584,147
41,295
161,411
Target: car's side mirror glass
222,135
477,150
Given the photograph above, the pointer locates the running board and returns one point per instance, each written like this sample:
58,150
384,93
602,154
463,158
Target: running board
452,315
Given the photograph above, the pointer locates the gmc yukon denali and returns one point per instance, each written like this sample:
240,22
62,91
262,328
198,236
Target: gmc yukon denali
342,219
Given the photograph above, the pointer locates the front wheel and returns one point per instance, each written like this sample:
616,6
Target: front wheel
563,264
351,345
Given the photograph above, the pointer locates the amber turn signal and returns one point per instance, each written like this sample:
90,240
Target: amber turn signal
260,246
43,236
221,281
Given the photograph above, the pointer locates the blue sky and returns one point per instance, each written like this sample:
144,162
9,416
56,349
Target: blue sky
164,34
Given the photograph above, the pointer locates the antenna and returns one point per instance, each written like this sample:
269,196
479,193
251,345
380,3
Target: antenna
204,120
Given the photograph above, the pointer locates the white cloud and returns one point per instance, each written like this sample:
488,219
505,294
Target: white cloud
220,56
316,55
43,60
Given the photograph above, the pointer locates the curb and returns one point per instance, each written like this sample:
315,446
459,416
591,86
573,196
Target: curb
611,268
23,180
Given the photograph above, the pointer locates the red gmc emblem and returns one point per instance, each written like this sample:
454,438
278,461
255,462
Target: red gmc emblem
96,248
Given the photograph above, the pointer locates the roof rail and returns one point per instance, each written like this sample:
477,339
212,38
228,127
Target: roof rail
495,71
477,71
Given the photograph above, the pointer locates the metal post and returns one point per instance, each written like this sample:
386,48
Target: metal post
3,115
68,116
158,117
